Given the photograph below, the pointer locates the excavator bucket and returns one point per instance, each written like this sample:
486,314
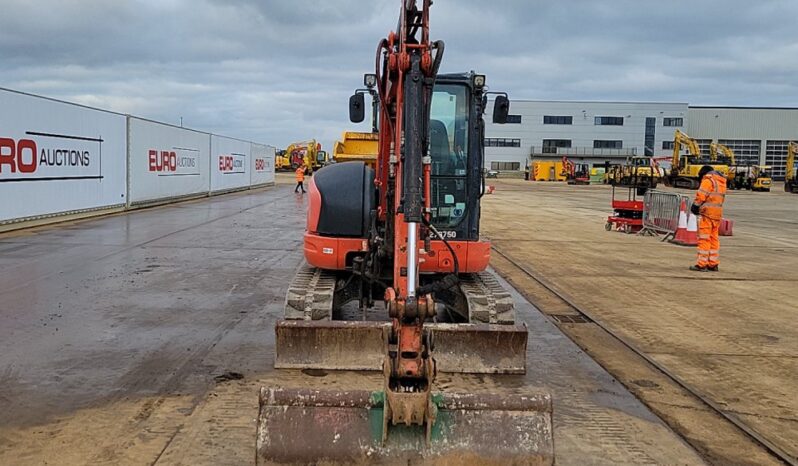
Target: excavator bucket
334,427
359,345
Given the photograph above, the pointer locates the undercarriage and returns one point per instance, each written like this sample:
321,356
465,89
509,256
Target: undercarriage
318,294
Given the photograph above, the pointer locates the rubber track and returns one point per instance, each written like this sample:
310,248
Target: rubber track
488,302
310,295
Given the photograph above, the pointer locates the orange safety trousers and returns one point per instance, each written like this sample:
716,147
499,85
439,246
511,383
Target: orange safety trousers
708,242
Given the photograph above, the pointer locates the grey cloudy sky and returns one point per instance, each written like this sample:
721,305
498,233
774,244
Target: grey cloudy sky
278,71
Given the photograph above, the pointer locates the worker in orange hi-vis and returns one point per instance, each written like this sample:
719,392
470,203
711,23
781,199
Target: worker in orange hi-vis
300,178
708,204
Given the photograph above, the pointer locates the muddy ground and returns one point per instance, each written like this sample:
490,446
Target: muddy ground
731,335
142,338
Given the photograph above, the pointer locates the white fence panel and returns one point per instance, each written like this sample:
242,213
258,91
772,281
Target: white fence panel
167,162
262,168
230,165
57,157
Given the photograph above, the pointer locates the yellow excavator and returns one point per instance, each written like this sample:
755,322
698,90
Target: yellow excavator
306,153
791,178
685,167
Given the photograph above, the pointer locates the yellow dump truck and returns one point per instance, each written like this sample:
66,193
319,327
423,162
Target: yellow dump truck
355,146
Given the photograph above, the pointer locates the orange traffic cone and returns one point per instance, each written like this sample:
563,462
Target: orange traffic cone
687,231
681,229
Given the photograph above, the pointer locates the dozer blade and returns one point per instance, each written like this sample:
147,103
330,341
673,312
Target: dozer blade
356,345
320,427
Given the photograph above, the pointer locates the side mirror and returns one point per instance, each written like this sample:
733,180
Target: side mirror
501,108
357,108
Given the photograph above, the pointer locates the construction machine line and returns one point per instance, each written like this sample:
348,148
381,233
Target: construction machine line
397,282
297,154
685,167
639,172
791,173
751,177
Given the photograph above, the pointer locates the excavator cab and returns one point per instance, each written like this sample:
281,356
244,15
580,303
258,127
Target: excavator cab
456,155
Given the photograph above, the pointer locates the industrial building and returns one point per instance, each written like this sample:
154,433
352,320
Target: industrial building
595,132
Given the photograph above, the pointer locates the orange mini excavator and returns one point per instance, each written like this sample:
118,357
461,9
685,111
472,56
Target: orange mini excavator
397,282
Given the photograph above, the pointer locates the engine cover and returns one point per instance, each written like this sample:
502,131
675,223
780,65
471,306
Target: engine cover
342,197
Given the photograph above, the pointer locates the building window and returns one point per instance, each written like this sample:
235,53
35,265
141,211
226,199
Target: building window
776,158
505,166
746,151
557,120
673,122
597,144
550,145
502,142
667,145
651,128
609,121
516,119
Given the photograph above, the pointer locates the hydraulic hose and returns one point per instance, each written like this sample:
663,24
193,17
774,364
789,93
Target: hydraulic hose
450,280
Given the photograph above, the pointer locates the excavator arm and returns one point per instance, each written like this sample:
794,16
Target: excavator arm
679,139
568,167
728,154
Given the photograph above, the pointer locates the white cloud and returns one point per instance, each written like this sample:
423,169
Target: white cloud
277,70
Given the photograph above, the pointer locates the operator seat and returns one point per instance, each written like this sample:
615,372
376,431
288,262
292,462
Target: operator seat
440,151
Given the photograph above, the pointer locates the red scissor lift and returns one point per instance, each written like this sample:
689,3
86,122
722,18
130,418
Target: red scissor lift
627,213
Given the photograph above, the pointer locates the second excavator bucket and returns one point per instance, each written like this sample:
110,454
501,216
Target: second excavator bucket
344,427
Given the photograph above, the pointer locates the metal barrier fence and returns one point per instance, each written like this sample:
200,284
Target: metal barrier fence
661,213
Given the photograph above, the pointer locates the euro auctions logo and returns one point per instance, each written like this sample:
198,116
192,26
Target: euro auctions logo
230,164
173,162
50,157
260,165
